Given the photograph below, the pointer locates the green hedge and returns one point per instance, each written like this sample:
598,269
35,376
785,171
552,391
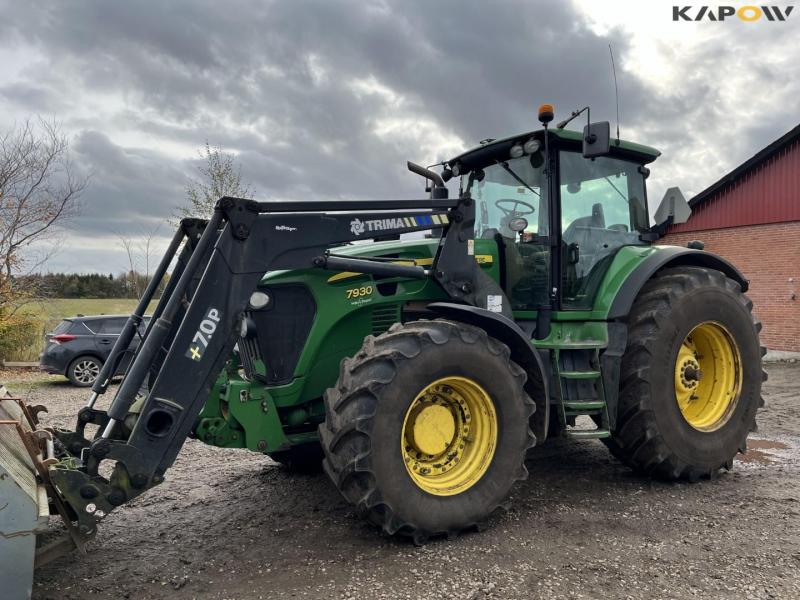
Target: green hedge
18,334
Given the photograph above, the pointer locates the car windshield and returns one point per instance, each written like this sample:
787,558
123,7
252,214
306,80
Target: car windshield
509,190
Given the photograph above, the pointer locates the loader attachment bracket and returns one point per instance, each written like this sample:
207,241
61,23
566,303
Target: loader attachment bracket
27,456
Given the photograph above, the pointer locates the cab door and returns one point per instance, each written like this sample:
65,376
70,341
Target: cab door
512,209
603,208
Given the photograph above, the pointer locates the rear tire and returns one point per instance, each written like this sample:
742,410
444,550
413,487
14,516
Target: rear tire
398,376
83,371
670,427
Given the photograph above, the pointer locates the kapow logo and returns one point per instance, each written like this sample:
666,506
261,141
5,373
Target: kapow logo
721,13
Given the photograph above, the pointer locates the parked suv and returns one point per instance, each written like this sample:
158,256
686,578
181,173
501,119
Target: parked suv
79,346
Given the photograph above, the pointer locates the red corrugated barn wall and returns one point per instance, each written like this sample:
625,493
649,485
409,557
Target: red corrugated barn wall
752,218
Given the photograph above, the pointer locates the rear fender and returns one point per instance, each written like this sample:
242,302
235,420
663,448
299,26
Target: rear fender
522,352
670,256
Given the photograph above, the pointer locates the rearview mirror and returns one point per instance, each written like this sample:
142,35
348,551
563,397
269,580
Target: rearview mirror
596,139
673,205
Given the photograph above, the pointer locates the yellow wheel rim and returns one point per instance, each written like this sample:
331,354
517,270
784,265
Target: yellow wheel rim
708,376
449,436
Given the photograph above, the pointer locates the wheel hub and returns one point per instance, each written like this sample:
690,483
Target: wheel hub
433,431
708,376
449,436
690,373
86,371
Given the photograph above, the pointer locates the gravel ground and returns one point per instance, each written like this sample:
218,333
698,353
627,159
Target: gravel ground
230,524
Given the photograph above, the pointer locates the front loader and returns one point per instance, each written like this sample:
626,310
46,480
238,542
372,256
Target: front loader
421,371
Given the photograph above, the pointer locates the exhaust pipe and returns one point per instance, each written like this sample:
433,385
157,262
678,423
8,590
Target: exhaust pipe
438,190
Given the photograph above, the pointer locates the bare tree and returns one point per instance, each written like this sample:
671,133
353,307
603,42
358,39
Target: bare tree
141,254
130,276
219,176
38,190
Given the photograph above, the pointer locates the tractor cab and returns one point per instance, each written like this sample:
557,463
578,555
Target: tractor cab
558,213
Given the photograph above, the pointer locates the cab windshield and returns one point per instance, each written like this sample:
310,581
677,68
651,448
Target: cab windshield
508,190
511,207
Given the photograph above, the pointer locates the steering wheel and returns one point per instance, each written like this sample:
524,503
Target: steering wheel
513,212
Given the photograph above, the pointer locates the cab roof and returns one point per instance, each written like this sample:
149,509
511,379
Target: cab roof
489,152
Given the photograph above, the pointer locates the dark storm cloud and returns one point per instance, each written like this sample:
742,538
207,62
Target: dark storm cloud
477,70
726,106
37,98
276,82
130,189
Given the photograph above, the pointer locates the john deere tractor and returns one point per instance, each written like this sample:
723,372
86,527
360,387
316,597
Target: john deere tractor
420,349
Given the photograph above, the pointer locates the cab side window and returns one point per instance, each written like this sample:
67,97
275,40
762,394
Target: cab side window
603,208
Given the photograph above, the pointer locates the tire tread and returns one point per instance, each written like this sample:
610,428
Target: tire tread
637,441
352,402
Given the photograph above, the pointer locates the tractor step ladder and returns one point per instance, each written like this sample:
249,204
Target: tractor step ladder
570,408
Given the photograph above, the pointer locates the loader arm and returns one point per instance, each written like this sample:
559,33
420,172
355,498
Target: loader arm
198,321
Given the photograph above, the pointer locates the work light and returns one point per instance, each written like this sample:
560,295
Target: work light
259,300
531,146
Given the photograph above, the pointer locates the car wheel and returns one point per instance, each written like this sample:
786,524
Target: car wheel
83,371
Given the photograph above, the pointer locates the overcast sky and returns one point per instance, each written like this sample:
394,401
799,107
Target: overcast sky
329,99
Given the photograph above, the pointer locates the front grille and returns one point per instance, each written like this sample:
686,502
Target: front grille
281,333
249,353
384,317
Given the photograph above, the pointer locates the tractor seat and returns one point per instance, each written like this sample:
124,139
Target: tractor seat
597,219
588,234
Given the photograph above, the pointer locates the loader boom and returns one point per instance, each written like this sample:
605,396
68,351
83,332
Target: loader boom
199,318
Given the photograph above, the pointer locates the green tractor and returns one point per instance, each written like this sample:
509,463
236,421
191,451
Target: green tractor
420,371
424,411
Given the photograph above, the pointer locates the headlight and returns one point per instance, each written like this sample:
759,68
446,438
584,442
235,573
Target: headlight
259,300
516,151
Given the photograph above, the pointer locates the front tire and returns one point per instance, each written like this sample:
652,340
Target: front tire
691,376
427,428
84,370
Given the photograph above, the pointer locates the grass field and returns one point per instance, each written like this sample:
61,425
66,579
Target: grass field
49,313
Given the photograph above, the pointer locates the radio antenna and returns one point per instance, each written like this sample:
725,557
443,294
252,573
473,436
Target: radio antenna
616,90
